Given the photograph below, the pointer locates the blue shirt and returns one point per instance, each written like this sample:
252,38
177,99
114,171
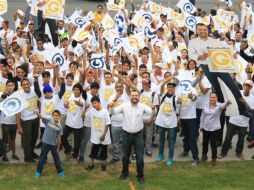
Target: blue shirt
51,132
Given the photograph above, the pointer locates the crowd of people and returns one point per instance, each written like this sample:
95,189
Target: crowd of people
136,103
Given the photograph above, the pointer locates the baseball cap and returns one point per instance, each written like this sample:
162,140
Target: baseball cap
248,82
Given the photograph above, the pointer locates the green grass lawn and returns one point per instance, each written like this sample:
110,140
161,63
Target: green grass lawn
226,176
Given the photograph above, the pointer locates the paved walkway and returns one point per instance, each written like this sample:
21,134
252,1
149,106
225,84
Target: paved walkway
178,149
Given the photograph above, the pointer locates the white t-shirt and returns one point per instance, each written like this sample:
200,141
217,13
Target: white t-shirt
48,106
203,98
99,120
166,117
188,107
105,92
65,98
32,98
74,112
241,120
117,119
147,99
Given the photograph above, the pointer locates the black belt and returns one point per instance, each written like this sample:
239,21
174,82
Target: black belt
133,134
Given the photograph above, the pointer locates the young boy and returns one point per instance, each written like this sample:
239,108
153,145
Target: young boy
50,142
100,137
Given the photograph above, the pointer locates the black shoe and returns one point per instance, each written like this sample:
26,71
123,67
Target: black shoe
184,154
29,160
103,168
123,177
252,157
38,146
149,153
113,161
5,159
89,167
15,157
34,155
141,180
81,159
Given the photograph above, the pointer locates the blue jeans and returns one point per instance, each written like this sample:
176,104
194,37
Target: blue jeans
171,141
231,130
44,152
190,136
117,135
137,141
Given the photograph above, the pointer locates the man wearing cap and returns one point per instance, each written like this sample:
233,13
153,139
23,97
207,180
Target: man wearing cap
148,97
166,119
239,124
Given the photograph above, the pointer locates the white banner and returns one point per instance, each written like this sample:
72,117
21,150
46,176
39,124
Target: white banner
13,104
97,61
80,34
111,6
142,18
187,6
107,22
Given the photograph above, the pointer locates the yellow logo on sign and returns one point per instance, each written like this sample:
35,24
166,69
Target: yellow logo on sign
54,7
221,59
110,23
3,6
238,67
82,35
156,8
134,42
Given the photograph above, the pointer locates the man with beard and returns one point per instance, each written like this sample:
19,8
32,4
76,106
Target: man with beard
133,125
198,51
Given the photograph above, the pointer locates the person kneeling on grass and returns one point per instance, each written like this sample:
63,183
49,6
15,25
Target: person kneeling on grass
100,136
52,130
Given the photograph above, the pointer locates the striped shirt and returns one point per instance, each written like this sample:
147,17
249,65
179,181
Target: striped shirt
52,131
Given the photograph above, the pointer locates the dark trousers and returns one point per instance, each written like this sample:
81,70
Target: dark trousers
137,141
52,27
30,135
78,135
190,136
251,129
43,157
210,136
231,131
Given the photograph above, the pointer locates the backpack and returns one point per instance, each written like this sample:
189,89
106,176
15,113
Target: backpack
164,97
153,94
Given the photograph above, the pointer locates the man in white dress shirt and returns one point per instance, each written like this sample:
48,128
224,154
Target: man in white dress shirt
133,125
198,50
